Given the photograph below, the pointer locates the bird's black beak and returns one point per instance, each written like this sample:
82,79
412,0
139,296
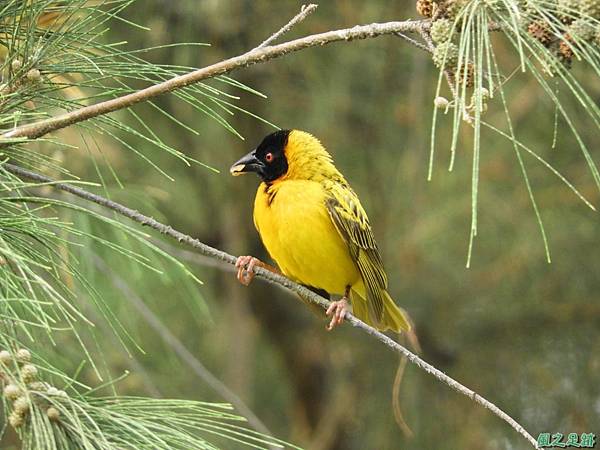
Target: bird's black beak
247,163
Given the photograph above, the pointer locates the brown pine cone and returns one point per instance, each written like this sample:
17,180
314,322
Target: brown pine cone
540,30
565,51
425,8
467,75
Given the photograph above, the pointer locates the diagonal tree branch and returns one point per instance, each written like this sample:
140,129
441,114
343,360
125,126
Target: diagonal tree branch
305,11
259,55
274,279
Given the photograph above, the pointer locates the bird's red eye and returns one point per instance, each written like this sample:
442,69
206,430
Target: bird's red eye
269,157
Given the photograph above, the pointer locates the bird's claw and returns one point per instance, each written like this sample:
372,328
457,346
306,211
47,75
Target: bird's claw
337,310
245,269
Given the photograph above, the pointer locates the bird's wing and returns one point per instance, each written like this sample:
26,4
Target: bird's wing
352,223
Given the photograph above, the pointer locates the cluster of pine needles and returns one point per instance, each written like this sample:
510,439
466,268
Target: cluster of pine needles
547,37
559,25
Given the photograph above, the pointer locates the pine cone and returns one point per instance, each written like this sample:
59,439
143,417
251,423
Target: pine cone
565,51
567,10
425,8
581,29
540,30
441,30
466,75
53,414
445,55
16,420
590,8
451,8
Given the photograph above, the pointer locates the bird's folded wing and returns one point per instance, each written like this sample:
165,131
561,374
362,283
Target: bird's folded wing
351,221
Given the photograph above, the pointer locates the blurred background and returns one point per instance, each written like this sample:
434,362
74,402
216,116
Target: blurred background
520,331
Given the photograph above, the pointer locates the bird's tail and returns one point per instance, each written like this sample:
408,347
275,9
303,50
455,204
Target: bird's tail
394,317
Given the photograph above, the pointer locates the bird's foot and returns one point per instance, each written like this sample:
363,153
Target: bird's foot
245,268
337,310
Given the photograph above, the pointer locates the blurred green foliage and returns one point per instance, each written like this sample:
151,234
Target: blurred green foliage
519,331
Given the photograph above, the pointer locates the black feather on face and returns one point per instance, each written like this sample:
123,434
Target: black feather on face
268,160
271,152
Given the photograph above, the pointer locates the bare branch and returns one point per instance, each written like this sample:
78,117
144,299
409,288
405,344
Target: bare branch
414,42
274,279
305,11
259,55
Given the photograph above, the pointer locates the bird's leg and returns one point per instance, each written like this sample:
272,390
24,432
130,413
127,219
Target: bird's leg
338,310
245,268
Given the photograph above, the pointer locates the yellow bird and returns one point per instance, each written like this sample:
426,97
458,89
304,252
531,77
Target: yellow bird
314,227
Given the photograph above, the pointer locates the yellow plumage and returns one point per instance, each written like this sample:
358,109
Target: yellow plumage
313,225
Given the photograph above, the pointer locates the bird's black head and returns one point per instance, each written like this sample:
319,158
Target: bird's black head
267,160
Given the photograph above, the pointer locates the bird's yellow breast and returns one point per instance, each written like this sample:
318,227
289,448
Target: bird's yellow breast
295,227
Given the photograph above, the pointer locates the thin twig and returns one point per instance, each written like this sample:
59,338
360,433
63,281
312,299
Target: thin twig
415,42
396,399
259,55
275,279
305,11
135,366
181,350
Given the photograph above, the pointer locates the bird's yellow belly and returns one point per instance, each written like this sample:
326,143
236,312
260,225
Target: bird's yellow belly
298,233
